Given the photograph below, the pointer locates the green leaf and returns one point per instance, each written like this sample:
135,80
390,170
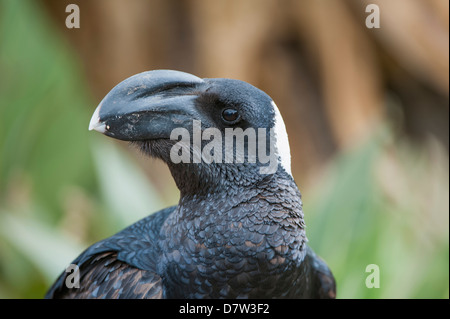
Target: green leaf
125,190
49,250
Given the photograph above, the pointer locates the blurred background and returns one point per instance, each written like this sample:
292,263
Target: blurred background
366,110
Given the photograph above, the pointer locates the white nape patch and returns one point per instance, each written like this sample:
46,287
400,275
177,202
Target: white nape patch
95,123
282,141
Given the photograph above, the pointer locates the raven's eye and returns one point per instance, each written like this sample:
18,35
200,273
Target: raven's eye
230,116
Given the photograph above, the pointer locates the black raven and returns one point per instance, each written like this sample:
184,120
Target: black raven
238,229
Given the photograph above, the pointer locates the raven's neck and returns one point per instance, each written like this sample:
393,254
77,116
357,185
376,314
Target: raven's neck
210,203
255,230
203,180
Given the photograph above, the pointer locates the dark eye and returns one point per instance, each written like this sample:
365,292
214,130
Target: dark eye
230,115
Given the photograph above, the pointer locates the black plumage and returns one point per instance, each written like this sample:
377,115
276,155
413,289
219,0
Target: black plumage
235,233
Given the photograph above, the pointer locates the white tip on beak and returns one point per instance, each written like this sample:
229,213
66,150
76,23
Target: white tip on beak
95,123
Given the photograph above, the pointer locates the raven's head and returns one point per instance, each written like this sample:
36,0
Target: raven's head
210,132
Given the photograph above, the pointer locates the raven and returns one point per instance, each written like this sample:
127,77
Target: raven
238,230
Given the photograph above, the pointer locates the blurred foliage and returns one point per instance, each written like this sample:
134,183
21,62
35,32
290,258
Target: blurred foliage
62,188
387,205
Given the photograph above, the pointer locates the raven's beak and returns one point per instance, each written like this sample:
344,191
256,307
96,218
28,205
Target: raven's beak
147,106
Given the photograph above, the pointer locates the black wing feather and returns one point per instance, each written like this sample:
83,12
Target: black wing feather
323,284
121,266
103,276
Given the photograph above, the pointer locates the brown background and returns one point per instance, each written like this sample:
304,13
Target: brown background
331,76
